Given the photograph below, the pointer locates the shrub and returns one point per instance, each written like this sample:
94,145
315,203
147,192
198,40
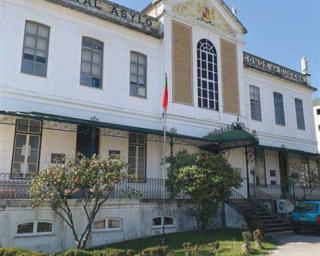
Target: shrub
19,252
155,251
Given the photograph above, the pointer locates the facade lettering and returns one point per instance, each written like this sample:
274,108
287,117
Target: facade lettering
269,67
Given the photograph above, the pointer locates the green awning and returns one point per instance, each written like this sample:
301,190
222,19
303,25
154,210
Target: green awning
293,151
95,123
234,137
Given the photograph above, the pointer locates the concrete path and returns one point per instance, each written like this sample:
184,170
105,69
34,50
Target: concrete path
306,244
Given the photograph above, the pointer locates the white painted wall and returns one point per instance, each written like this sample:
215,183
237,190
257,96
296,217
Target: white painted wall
317,123
136,219
271,134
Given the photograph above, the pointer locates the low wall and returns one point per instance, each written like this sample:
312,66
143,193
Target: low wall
136,218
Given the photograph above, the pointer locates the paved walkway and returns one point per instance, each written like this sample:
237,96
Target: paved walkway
306,244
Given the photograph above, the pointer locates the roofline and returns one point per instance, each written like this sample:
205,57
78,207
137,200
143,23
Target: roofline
235,18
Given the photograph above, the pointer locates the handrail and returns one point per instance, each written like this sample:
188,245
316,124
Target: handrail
236,195
259,194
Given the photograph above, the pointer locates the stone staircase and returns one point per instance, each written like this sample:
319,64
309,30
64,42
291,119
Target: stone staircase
271,222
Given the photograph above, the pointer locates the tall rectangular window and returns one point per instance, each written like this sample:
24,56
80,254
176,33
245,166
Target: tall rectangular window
91,63
299,113
279,108
138,75
26,152
35,49
137,155
255,103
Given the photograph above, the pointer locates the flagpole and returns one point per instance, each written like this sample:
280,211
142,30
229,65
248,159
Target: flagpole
163,241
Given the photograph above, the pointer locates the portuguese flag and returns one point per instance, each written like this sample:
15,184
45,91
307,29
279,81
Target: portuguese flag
165,98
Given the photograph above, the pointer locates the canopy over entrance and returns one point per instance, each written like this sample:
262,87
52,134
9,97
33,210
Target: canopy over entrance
234,136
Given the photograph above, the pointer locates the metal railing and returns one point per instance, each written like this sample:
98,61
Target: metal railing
150,188
258,193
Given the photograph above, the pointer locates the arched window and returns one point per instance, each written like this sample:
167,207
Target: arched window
207,63
34,228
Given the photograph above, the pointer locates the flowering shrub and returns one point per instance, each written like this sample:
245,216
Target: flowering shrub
90,179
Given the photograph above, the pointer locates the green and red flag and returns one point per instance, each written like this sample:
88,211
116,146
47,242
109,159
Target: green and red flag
165,99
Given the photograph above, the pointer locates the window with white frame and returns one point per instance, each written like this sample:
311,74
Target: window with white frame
255,103
159,221
207,65
300,114
107,224
26,152
138,74
91,63
35,49
137,155
279,109
34,228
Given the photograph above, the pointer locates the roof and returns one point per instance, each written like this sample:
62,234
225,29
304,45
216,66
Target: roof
226,7
99,124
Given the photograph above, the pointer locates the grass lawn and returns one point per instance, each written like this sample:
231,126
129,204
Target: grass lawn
230,239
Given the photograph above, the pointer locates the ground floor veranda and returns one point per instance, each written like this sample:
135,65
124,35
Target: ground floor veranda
30,143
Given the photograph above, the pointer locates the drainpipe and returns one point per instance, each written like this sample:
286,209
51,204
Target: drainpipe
247,170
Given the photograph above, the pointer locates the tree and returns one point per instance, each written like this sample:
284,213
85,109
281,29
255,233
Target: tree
307,179
206,178
89,179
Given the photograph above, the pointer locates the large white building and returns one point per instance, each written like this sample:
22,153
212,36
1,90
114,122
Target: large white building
87,76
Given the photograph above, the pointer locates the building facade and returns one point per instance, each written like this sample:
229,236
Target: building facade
88,77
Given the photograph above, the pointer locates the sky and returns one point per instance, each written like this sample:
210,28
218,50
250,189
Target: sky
281,31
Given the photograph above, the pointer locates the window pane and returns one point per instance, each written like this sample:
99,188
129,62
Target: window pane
23,125
30,41
99,225
168,221
114,224
42,44
97,58
44,227
31,28
134,68
26,228
21,140
43,31
96,70
142,91
40,69
35,126
157,221
86,67
86,55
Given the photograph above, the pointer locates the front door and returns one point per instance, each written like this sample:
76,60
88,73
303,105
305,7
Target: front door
88,140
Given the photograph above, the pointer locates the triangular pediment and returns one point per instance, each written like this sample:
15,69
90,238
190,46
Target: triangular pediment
212,13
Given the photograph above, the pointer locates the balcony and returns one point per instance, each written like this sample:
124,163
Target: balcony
146,189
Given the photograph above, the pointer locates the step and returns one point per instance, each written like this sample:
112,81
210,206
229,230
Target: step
281,229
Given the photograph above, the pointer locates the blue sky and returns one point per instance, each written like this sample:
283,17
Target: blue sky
279,30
